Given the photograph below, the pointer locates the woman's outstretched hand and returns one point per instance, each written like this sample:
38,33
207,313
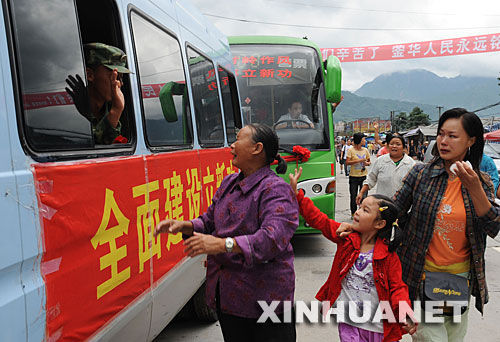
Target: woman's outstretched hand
344,229
173,227
359,198
410,327
294,178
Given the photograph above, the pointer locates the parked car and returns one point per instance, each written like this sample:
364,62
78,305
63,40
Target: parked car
428,153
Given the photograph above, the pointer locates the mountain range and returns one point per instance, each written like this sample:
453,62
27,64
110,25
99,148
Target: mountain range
402,91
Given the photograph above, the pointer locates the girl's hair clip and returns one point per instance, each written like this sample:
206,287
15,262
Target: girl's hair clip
395,223
383,208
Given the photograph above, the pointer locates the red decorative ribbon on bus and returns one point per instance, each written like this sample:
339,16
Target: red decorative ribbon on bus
298,153
432,48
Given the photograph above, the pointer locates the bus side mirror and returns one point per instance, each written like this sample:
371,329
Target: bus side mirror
167,99
333,80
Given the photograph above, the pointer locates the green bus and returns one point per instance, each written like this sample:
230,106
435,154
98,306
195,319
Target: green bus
284,84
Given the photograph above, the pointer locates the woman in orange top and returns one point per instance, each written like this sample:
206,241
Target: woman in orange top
451,215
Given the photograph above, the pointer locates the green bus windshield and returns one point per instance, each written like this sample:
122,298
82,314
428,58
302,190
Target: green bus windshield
282,86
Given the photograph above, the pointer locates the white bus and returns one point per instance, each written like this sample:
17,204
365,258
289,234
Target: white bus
77,259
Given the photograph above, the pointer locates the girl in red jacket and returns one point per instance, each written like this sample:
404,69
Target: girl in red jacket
365,270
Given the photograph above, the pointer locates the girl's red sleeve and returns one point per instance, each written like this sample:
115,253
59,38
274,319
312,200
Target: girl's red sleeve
398,289
316,219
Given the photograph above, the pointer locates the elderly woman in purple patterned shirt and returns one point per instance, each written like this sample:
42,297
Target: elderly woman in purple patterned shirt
246,233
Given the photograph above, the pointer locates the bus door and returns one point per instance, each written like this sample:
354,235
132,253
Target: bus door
13,283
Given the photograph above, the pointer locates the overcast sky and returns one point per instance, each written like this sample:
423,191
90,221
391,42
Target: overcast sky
467,18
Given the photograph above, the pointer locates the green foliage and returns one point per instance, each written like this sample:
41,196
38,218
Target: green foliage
400,122
416,118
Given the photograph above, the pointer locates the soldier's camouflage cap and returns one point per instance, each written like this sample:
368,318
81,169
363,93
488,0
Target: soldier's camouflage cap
107,55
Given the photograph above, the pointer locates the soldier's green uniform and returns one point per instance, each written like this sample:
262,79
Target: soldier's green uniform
103,132
113,58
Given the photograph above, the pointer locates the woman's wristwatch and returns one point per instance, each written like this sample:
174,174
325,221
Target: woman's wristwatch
229,244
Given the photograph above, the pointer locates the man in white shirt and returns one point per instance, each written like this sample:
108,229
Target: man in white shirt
294,113
346,148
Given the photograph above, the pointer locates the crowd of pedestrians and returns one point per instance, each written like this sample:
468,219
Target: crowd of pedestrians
424,223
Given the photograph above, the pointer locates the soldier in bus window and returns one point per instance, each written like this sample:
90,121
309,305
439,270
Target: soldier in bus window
294,118
102,102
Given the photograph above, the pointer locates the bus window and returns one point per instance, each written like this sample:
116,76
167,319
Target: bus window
48,49
206,100
99,22
282,86
47,55
160,65
232,114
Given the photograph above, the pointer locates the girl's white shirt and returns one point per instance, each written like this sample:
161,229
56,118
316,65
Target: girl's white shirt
359,298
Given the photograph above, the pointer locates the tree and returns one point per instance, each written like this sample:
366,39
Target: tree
400,122
417,118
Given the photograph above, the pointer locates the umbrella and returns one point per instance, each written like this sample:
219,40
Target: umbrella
492,136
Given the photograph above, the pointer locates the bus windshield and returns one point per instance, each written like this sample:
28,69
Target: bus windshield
282,86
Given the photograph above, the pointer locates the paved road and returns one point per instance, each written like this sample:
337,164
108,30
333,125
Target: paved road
313,259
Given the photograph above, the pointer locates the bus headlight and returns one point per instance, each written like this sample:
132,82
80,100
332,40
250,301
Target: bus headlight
317,188
331,187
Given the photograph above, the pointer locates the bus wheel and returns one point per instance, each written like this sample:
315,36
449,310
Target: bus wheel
202,310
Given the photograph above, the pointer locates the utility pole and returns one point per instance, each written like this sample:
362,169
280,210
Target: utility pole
439,109
392,121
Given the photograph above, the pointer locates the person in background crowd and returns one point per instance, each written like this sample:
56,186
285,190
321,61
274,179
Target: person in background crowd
426,145
246,233
383,144
388,171
452,213
358,158
412,149
342,155
370,147
488,165
348,146
420,151
338,151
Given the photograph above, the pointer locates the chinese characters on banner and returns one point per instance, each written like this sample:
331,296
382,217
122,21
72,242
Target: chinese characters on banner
267,66
99,232
433,48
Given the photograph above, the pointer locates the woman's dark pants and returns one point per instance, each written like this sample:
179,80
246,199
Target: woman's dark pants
355,185
241,329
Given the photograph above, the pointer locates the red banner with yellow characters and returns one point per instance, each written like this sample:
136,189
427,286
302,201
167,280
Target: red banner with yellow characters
97,219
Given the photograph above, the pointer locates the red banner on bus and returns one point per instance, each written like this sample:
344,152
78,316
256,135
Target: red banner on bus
97,220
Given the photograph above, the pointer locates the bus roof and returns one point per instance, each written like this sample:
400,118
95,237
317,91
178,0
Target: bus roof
283,40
